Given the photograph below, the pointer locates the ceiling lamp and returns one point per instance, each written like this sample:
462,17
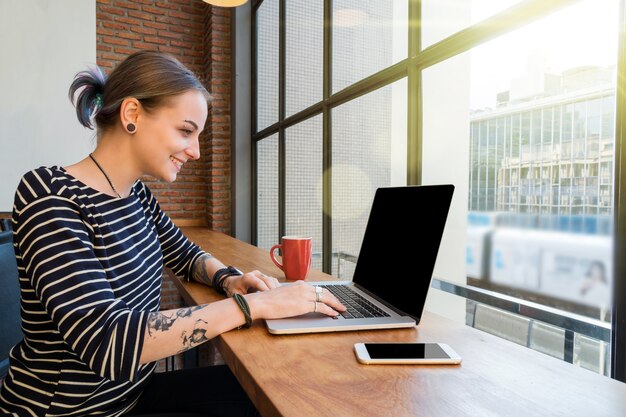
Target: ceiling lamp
225,3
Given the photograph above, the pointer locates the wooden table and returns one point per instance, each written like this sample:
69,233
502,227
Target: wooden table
318,375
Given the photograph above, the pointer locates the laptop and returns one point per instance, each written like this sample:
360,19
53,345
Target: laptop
394,268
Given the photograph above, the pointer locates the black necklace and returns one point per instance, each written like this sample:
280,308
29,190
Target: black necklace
105,175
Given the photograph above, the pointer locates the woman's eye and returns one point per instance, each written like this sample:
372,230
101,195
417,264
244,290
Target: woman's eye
187,132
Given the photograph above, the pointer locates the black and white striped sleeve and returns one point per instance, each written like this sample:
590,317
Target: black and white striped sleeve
69,280
179,253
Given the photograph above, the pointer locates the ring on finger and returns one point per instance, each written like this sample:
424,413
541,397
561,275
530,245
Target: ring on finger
315,309
318,293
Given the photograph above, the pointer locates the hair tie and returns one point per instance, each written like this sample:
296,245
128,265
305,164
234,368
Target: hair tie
99,100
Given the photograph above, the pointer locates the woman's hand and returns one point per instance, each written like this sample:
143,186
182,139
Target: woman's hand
293,300
249,282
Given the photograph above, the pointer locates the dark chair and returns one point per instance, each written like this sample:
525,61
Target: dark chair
5,224
10,322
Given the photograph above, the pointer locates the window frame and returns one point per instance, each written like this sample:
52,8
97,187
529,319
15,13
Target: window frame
417,61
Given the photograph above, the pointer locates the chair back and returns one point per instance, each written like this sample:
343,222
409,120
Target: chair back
5,224
10,321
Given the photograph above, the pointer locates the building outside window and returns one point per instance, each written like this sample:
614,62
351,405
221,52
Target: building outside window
544,163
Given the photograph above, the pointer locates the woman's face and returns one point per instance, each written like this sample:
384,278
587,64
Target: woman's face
168,137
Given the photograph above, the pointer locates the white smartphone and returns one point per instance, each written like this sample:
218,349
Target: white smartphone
405,352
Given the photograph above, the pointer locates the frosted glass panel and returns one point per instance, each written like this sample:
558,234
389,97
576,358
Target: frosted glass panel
369,151
267,64
267,192
368,36
304,54
303,180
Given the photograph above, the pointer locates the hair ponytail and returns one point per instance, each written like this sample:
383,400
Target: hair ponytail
87,94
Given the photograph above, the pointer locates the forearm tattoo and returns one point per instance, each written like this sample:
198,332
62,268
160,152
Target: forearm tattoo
199,272
197,336
162,322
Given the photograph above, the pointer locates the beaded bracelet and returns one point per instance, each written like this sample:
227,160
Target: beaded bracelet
245,308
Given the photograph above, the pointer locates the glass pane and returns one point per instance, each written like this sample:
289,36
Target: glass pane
303,180
368,36
531,120
368,151
267,64
442,18
267,192
304,54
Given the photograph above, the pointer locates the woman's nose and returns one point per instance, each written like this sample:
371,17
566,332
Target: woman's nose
193,151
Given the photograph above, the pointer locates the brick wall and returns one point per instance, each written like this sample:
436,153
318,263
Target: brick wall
199,36
218,68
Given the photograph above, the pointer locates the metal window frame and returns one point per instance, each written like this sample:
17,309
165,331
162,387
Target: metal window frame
419,59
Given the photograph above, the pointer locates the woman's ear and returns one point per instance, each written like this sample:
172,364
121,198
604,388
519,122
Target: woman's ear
129,113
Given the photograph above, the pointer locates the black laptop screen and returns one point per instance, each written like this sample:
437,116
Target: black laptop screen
401,242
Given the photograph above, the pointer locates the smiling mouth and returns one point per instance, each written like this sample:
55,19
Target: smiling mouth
177,162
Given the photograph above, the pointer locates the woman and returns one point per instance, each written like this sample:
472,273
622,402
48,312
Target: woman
91,242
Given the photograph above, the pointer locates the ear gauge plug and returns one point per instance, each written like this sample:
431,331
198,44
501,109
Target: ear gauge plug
130,127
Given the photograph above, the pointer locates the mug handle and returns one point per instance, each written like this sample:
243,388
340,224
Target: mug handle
278,264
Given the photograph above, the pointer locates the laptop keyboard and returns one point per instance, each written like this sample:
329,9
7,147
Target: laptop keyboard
357,306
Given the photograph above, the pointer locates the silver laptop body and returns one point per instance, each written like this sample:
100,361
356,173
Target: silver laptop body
395,264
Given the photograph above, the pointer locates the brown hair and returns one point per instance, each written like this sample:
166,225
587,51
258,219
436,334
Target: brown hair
149,76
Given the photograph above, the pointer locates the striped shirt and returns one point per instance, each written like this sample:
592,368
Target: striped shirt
90,269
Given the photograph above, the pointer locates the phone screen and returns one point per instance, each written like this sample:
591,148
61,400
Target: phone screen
405,351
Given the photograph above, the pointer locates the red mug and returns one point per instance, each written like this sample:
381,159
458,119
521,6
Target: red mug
296,256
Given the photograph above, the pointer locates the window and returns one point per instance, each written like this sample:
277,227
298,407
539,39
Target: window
509,100
303,183
267,64
367,37
304,38
368,151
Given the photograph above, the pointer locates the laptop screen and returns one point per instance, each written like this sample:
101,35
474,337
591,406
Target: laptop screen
401,242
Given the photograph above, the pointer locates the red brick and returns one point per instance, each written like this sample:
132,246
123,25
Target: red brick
115,25
129,21
155,25
112,10
128,35
103,17
169,34
141,15
181,44
160,10
168,49
143,45
154,39
126,5
143,30
114,40
105,32
179,15
124,51
167,5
